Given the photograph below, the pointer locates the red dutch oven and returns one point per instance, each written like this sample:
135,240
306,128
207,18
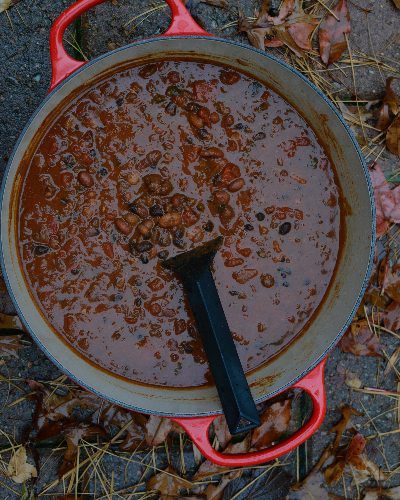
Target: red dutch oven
301,365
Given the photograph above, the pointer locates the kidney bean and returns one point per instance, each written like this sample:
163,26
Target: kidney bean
85,178
132,178
150,160
236,185
195,121
226,215
229,173
229,77
195,234
161,236
170,220
211,152
208,226
193,107
122,226
147,70
267,280
189,217
227,121
221,197
157,185
66,178
145,228
233,262
244,275
214,117
132,219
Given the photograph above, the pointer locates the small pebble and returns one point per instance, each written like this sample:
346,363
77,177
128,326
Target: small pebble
249,227
285,228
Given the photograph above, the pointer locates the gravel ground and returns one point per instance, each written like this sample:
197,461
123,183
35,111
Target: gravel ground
24,79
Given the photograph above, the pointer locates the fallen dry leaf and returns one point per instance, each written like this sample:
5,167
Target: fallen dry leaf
168,483
208,468
360,340
8,322
332,33
391,316
397,3
6,4
274,423
349,378
343,424
158,428
9,345
380,493
109,415
221,431
393,136
352,456
291,27
387,200
19,470
72,432
390,105
391,279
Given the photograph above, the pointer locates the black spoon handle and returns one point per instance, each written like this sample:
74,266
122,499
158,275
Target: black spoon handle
237,402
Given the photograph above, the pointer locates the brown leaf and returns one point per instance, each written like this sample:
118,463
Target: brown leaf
274,422
390,105
72,432
208,468
221,431
168,483
158,428
397,3
109,415
391,280
332,33
391,317
380,493
360,340
387,200
393,136
6,4
19,470
343,424
9,345
292,27
349,378
8,322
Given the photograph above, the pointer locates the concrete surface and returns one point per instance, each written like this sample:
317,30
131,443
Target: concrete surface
24,79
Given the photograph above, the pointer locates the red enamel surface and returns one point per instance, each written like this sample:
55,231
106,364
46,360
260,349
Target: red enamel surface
312,383
63,65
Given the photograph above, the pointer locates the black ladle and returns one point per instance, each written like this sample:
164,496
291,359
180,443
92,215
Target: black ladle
193,268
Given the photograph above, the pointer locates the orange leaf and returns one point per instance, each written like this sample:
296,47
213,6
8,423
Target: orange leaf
332,33
274,422
360,340
387,201
393,136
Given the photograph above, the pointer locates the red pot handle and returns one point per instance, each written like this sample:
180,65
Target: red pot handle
63,65
312,383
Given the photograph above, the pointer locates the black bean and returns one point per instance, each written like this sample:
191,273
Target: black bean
249,227
285,228
259,136
75,271
103,171
255,88
179,243
208,226
203,133
41,250
144,258
200,206
120,101
239,126
156,211
285,284
260,216
143,246
138,302
163,254
117,297
179,233
170,108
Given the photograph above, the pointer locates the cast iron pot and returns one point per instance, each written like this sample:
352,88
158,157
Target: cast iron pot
301,364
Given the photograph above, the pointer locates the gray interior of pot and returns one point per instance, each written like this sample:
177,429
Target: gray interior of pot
343,296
